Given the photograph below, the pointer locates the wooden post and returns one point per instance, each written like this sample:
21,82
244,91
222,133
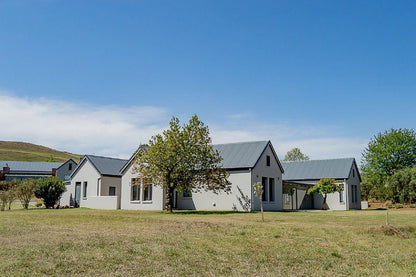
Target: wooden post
387,218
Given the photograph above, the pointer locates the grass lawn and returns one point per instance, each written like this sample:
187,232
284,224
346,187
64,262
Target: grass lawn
121,243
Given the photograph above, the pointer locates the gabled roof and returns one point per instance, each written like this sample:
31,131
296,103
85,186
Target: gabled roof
67,162
243,154
239,155
127,164
29,166
318,169
104,165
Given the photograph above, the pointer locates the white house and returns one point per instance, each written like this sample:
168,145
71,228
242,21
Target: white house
299,176
246,162
95,183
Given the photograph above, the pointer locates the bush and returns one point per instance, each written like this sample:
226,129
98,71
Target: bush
38,204
24,191
412,206
50,190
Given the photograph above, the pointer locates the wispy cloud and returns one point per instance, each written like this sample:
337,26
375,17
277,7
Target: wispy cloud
79,127
115,130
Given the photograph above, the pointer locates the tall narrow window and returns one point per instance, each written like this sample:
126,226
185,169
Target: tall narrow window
147,192
268,160
264,184
135,192
353,172
271,189
187,194
341,195
70,166
112,191
85,190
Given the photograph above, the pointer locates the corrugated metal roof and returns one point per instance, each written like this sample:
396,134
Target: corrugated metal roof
107,166
317,169
241,154
29,166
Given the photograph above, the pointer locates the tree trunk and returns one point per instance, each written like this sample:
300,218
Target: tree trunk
169,199
261,208
324,207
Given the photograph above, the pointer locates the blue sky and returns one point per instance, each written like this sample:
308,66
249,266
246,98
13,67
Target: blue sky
324,76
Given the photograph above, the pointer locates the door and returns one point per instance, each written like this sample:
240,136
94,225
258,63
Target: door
77,194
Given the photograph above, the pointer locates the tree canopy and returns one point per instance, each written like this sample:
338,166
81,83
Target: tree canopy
325,186
385,154
184,159
295,155
50,190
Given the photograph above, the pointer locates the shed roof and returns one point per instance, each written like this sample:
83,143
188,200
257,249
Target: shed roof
318,169
20,166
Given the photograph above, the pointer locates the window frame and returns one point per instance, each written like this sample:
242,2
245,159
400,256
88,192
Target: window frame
268,160
272,190
85,190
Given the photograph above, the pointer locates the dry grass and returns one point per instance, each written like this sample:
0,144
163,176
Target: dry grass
79,242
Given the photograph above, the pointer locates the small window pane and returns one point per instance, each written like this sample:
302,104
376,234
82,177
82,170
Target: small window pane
148,192
271,189
112,191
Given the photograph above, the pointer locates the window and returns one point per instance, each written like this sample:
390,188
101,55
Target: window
70,166
268,160
147,192
353,172
187,194
112,191
85,190
264,184
271,189
354,193
341,195
135,190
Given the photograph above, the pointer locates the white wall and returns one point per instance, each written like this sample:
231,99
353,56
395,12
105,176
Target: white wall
272,171
354,180
333,200
236,200
102,202
157,195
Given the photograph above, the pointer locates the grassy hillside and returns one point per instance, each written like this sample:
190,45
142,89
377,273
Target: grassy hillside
22,151
80,242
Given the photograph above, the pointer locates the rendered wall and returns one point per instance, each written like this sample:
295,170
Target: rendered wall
126,203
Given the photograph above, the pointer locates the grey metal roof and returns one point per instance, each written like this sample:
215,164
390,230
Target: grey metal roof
241,154
317,169
107,166
29,166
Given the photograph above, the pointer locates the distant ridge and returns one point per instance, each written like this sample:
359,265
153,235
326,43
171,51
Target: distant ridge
23,151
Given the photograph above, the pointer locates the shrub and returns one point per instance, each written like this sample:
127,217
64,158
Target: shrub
412,206
24,191
50,190
7,193
38,204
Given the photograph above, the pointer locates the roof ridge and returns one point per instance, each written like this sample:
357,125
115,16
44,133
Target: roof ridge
106,157
241,142
317,160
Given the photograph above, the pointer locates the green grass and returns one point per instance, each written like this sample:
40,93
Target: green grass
21,151
83,242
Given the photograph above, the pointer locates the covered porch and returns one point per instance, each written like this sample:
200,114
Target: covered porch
295,196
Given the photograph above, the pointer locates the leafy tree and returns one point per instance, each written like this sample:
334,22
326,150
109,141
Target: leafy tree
385,154
325,186
258,192
24,191
295,155
184,159
50,190
401,186
50,159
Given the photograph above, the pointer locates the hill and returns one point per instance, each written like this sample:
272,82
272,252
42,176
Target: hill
23,151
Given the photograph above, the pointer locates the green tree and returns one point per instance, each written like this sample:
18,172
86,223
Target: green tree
385,154
325,186
401,186
184,159
295,155
258,192
50,159
25,191
50,190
